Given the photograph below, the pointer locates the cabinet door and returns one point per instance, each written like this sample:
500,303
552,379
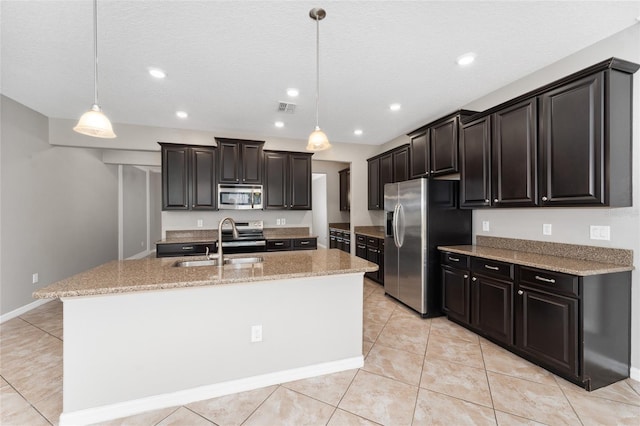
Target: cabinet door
547,329
400,166
175,178
515,151
492,307
373,184
572,144
475,154
251,162
443,152
455,294
300,181
275,180
386,176
229,162
419,149
361,250
203,175
373,256
381,261
345,190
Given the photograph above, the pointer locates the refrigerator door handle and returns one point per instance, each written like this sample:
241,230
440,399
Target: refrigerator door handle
394,225
400,226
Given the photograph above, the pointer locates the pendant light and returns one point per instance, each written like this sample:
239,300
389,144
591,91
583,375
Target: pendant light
318,141
94,122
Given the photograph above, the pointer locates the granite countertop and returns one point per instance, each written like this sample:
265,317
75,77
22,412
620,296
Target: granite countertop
150,274
575,259
370,231
341,226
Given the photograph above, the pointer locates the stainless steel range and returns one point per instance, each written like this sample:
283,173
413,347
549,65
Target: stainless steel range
250,237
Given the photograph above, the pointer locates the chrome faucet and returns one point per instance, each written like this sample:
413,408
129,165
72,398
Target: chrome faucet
219,255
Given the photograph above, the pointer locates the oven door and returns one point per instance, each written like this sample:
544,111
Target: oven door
240,197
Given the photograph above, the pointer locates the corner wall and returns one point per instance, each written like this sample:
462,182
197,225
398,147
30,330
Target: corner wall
58,209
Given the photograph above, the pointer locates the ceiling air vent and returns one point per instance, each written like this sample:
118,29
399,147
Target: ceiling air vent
286,107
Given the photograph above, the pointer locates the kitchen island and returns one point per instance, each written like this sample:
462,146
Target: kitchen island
144,334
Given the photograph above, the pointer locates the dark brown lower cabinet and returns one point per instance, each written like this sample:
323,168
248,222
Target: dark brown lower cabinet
548,328
372,249
492,307
578,327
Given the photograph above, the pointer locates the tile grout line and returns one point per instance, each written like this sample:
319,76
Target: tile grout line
41,329
424,360
165,417
261,404
26,400
568,400
486,375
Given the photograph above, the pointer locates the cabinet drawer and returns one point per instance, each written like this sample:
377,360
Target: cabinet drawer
492,267
372,242
304,244
333,232
276,245
550,281
184,249
361,239
455,260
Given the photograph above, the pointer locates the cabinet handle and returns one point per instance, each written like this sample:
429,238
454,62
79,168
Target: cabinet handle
187,247
278,244
454,259
495,200
431,171
545,199
520,292
493,268
486,201
304,243
465,276
474,279
546,280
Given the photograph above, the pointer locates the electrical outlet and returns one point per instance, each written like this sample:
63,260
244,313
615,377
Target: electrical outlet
278,221
35,278
283,221
256,333
485,225
200,223
546,229
600,232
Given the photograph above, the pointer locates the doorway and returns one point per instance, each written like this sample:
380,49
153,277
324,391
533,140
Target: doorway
319,219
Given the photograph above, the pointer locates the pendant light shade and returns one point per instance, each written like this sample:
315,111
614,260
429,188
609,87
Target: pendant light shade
94,122
318,140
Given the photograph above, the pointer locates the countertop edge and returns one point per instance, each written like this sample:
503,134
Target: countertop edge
607,268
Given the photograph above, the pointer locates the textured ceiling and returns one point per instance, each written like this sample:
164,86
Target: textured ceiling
228,63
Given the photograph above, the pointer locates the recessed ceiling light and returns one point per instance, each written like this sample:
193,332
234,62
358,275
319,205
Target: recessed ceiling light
293,92
157,73
394,107
181,114
279,124
357,132
466,59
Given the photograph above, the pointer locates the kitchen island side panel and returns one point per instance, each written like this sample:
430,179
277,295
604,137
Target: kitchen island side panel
124,347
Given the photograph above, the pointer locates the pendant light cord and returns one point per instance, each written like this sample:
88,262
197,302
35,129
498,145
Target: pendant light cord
95,52
317,69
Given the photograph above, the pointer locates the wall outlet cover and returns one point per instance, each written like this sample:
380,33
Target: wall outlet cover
485,225
600,232
546,229
35,278
256,333
200,223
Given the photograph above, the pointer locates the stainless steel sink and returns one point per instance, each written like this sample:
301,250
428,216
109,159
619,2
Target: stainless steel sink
214,262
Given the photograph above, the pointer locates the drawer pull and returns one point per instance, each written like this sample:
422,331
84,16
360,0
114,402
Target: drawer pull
304,243
187,247
454,259
520,292
546,280
278,244
493,268
465,276
474,279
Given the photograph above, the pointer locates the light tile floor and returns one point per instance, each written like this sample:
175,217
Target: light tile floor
416,372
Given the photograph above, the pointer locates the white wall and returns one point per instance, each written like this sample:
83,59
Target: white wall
319,222
572,225
134,208
331,169
59,207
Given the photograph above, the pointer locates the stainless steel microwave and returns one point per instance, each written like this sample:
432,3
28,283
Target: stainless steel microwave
240,197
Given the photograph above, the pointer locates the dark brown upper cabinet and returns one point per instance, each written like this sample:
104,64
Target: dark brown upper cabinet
287,180
345,189
434,147
475,158
388,167
514,148
240,161
188,177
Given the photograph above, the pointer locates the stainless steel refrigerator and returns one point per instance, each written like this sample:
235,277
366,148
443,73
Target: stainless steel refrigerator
421,214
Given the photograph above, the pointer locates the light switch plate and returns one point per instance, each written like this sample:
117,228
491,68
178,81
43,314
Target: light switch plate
546,229
600,232
256,333
200,223
485,225
34,278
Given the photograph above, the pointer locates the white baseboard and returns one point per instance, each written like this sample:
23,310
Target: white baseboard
635,373
141,255
129,408
22,310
